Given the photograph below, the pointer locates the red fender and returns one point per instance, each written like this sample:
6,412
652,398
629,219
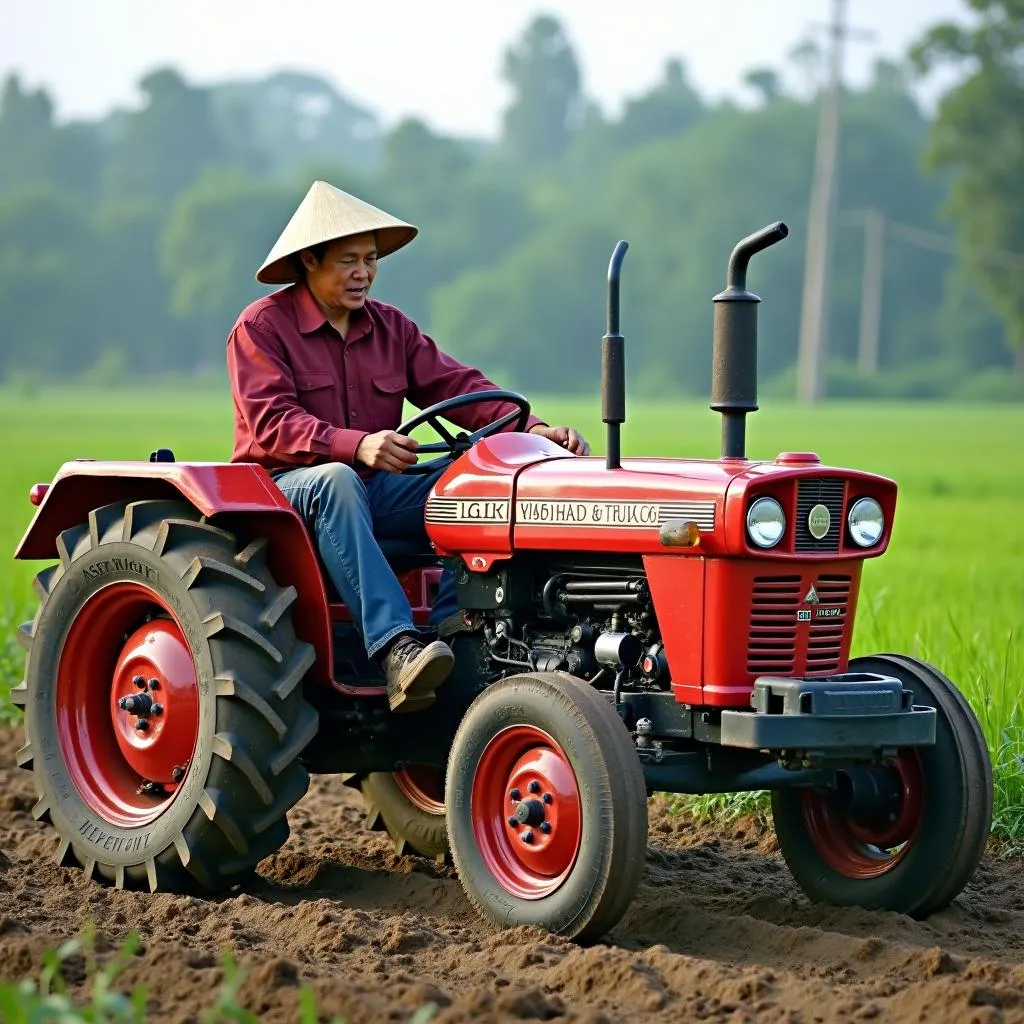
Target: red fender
240,497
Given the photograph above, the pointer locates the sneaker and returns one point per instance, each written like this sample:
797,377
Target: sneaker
415,671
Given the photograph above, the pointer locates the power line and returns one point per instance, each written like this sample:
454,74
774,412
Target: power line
877,227
935,242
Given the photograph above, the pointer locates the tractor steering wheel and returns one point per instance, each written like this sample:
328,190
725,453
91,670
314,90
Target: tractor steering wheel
454,445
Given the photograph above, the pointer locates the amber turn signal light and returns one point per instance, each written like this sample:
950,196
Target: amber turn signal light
37,492
680,533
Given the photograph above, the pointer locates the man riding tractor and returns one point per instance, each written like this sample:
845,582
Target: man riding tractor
319,374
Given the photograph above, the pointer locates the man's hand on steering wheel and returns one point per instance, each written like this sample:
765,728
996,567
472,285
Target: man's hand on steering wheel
571,440
387,450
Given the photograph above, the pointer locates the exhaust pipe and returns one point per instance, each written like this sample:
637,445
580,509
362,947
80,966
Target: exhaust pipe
734,353
613,362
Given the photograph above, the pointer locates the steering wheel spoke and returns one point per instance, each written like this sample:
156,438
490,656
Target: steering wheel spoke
434,448
435,422
492,428
454,445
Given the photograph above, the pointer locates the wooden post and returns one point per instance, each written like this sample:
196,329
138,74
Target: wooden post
871,281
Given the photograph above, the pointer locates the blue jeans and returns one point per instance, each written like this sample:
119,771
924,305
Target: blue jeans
346,514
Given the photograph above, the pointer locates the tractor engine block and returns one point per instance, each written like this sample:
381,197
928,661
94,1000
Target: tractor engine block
594,622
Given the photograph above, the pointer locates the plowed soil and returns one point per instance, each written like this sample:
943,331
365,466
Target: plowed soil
718,932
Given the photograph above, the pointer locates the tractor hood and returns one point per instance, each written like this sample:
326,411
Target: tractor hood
520,492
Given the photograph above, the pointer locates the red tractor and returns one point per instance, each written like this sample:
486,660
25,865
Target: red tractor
631,626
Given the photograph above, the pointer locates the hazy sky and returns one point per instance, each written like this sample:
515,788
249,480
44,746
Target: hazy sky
438,59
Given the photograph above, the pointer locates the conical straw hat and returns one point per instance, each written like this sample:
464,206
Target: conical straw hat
325,214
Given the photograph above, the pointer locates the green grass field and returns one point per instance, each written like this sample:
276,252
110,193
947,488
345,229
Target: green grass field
950,589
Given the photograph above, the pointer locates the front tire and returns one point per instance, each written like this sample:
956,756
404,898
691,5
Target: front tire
916,853
547,809
164,714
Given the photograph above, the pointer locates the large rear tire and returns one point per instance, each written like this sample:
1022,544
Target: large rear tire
547,809
915,849
164,714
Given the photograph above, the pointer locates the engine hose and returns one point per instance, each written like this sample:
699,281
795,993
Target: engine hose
617,688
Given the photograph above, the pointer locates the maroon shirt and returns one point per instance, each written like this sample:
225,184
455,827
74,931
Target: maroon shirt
304,395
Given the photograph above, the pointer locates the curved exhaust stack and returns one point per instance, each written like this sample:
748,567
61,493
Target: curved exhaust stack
734,355
613,362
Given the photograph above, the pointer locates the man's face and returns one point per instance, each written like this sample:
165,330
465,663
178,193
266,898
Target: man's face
342,279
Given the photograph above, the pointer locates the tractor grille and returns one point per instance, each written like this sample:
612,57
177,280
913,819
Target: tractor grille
825,642
771,645
827,491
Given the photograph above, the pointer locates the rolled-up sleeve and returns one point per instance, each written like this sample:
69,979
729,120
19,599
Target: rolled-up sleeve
434,376
264,392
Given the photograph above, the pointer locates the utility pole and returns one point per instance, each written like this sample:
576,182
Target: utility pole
814,313
871,291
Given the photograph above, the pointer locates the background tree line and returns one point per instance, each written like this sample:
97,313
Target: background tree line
128,245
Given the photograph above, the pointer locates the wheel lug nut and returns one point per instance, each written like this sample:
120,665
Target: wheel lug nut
534,786
142,724
545,827
157,709
139,682
514,794
513,821
177,773
528,836
547,798
154,684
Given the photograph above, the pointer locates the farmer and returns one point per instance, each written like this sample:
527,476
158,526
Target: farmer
319,372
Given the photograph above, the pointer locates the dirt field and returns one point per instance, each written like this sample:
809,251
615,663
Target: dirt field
718,932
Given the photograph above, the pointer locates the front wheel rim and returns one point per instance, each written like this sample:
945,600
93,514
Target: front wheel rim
860,850
127,704
526,812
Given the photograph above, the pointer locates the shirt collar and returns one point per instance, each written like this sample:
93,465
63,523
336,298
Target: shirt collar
310,317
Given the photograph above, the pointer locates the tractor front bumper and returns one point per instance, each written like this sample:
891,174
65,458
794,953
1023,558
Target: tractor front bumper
854,714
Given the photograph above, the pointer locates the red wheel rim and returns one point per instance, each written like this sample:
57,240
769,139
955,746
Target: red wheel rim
423,787
859,850
126,647
526,812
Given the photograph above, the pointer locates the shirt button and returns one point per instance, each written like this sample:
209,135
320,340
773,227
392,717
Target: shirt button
355,415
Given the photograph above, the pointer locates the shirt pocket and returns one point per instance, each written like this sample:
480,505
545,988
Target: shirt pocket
318,395
389,391
313,381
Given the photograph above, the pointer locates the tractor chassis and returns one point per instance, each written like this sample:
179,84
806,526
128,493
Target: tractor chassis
799,733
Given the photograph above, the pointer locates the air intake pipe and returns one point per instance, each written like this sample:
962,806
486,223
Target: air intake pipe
734,355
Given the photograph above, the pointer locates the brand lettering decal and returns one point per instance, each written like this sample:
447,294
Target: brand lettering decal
585,512
93,572
817,609
588,513
113,844
467,510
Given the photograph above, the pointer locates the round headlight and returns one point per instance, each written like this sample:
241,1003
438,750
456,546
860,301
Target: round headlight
866,522
766,522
